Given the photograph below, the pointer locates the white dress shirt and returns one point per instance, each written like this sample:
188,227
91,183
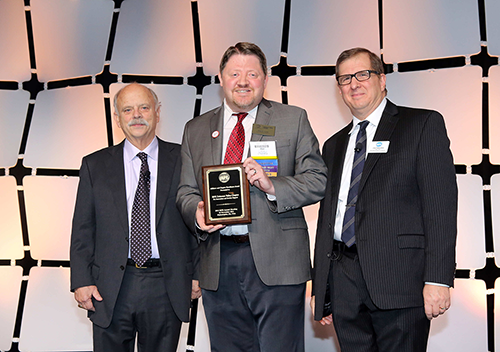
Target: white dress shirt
132,165
374,120
229,123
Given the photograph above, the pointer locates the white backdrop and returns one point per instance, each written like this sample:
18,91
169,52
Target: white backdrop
61,61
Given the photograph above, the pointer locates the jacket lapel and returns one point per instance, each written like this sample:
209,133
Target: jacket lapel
217,124
166,167
384,132
336,166
264,114
116,177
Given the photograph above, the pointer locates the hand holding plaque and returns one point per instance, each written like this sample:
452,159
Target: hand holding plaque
226,194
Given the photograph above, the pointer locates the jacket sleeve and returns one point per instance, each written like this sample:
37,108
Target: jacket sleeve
83,232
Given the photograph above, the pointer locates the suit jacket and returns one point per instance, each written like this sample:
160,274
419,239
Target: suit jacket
406,213
278,233
100,235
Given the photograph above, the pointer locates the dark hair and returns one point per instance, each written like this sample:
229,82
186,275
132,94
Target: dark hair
375,61
244,48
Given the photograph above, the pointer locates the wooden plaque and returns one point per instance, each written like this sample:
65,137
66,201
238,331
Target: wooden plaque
226,193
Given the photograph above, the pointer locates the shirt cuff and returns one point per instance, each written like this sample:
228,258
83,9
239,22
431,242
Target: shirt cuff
270,197
436,284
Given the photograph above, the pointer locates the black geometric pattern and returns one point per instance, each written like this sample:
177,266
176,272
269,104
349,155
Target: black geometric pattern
283,70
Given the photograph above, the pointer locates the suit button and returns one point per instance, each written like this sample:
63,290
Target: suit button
328,255
122,267
126,239
329,226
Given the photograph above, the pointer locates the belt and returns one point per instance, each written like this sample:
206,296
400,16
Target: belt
341,248
236,238
150,263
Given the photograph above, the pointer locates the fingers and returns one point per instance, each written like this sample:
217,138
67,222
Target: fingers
200,220
196,290
326,320
436,300
257,176
83,295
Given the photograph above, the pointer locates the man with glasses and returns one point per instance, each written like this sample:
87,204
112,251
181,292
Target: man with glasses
385,245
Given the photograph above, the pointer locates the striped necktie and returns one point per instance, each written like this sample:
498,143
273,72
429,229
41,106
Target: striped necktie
348,236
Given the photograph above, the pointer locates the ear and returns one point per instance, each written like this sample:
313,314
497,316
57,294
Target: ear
220,79
117,119
158,110
382,81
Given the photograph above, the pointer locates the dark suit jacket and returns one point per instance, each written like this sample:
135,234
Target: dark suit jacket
278,232
100,235
406,214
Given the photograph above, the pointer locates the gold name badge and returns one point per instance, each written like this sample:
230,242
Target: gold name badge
264,130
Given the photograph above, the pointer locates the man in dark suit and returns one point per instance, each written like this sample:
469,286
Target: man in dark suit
387,251
132,258
253,275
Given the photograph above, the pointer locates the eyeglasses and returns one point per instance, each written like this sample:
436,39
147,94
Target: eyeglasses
360,76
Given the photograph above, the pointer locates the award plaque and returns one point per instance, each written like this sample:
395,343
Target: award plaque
226,194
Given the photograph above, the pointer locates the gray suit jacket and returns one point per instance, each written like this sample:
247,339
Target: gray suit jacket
406,214
99,239
278,232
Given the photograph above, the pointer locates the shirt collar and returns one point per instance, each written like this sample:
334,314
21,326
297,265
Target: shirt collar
130,151
373,118
228,112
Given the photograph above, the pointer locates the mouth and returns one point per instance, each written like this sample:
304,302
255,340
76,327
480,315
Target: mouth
357,95
242,90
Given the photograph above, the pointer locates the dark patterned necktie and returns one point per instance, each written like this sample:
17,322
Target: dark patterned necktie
140,238
357,170
236,142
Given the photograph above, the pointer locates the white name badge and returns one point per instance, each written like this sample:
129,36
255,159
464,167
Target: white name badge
263,150
379,147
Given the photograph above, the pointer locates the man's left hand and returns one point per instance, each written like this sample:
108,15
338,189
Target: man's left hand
258,177
436,300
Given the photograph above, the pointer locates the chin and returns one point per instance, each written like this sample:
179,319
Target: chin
244,106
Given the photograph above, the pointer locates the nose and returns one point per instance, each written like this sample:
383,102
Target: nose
354,83
137,113
242,81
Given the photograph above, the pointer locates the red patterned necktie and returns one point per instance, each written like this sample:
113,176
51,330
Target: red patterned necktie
236,143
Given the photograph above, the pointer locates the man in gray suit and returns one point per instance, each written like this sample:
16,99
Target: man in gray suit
386,251
253,276
132,258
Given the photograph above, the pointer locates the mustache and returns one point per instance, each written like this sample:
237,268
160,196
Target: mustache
139,121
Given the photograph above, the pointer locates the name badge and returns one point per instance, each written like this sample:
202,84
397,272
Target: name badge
264,152
263,130
263,149
378,147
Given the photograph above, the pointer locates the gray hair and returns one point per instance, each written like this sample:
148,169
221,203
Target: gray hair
153,94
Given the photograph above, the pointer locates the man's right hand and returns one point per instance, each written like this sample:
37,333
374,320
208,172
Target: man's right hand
83,295
325,320
200,220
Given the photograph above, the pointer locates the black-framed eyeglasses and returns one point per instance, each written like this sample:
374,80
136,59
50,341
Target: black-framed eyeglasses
360,76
